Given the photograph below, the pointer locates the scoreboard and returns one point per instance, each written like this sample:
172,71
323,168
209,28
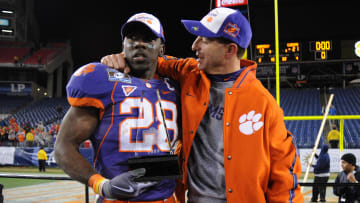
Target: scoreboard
320,49
312,50
289,51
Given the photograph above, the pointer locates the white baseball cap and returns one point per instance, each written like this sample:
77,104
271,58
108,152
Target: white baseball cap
149,20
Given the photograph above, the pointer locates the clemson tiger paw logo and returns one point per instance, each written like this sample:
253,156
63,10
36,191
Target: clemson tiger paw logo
250,123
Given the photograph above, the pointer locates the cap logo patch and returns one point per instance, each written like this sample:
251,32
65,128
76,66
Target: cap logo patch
209,19
232,29
195,28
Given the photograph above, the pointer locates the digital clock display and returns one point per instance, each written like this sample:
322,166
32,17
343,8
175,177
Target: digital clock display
320,49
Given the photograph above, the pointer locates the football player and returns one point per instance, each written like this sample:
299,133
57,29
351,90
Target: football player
122,117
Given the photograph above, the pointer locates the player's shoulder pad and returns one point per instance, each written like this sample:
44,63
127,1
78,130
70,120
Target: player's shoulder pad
94,79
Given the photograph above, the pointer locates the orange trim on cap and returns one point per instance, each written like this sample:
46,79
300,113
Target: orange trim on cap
87,102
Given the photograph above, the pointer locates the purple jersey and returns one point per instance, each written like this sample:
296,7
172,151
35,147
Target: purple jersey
131,122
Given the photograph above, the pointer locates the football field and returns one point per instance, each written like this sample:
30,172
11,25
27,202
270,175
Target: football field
18,190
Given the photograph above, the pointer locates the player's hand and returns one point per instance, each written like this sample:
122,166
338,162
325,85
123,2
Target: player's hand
123,186
116,61
351,177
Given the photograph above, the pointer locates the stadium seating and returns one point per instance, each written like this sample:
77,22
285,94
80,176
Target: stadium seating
346,102
42,56
301,102
43,110
9,53
8,104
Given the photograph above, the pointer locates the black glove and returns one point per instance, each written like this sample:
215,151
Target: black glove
123,186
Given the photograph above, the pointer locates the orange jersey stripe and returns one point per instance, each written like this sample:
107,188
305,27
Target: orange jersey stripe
87,102
112,121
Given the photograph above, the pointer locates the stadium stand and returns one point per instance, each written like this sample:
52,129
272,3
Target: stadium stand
45,54
13,51
301,102
9,54
347,102
9,104
43,110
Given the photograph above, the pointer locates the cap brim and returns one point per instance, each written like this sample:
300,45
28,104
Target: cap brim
137,25
134,25
196,28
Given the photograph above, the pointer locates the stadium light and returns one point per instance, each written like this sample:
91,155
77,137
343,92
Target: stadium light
7,12
8,31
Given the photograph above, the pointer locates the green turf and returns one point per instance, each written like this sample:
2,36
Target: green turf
29,169
19,182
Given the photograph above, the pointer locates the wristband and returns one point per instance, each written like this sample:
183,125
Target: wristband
96,181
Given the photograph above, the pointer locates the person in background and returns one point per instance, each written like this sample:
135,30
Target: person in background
21,137
322,174
12,136
235,146
350,174
42,157
333,137
30,138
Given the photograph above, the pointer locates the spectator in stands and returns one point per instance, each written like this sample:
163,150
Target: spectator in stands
21,137
49,138
350,174
30,138
332,110
40,126
334,136
16,59
39,138
4,135
42,157
321,173
12,136
27,127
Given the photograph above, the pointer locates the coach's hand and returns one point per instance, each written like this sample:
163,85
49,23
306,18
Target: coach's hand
116,61
122,186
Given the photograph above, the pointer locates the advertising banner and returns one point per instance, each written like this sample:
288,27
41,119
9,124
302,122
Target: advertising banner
229,3
27,156
7,155
335,158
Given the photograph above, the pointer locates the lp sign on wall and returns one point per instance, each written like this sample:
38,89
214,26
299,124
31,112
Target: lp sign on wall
229,3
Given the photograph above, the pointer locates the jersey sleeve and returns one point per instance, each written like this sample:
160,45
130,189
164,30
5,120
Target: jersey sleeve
89,86
175,68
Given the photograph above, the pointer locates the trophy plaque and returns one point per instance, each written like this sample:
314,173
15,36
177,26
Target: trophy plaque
158,167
